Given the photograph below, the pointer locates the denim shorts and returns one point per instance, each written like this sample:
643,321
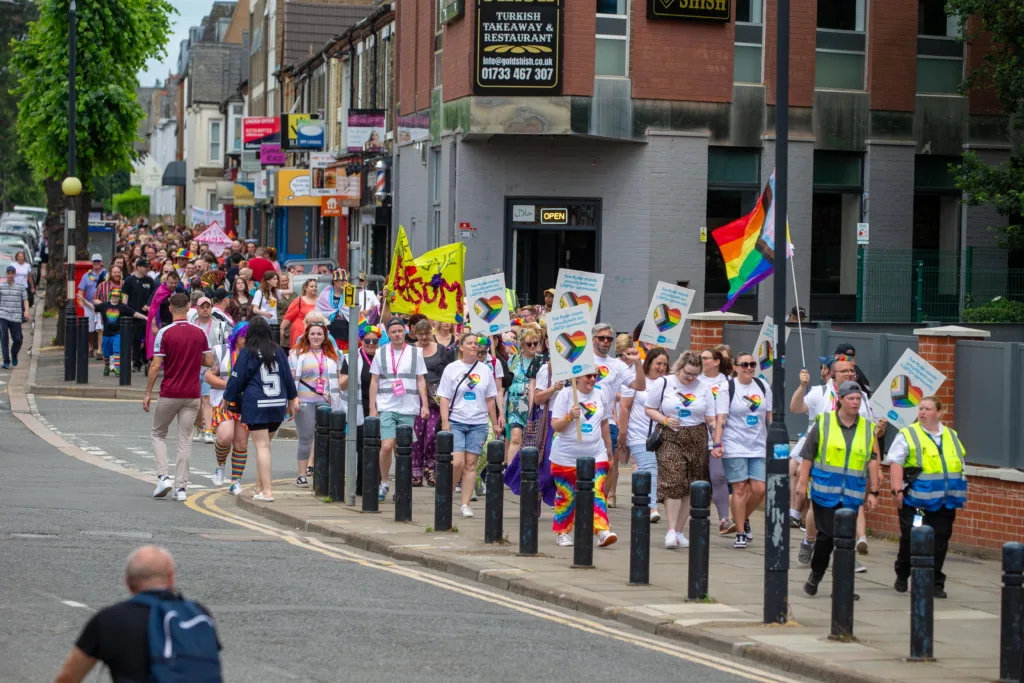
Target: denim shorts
390,421
468,438
204,388
741,469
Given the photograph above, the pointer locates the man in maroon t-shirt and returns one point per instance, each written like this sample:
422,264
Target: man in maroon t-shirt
181,350
259,265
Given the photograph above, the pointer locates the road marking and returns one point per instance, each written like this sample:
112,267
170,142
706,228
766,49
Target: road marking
91,400
206,503
72,603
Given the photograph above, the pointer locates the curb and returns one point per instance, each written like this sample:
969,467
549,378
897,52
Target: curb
777,658
86,391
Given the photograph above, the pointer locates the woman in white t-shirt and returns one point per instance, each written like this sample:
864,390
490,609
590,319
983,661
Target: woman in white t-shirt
591,413
264,301
740,440
468,397
232,437
716,373
23,275
686,409
633,414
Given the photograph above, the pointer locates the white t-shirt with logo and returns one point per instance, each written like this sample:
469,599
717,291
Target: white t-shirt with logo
262,303
612,374
565,448
398,364
690,403
639,424
746,431
471,401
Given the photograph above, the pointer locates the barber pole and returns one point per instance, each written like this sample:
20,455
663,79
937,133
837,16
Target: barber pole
379,192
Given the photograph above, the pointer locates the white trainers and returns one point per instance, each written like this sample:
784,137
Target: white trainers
197,434
263,498
862,545
235,488
218,476
180,495
467,511
163,486
655,516
564,540
208,438
681,540
671,542
606,538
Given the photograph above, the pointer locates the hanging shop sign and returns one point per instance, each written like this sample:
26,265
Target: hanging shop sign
365,130
271,155
711,10
518,47
302,132
260,130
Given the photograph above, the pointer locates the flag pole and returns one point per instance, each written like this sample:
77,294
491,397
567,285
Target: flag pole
799,325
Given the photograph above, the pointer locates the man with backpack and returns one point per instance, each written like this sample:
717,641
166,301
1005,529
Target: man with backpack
130,637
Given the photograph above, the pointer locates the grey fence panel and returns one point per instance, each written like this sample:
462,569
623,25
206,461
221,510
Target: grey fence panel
988,420
1016,412
741,338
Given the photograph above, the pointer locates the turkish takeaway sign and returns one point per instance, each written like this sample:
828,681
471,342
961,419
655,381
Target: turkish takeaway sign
518,47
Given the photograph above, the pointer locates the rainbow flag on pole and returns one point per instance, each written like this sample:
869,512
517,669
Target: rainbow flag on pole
748,245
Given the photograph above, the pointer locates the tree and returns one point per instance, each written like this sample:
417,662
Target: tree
18,185
115,38
1002,22
132,204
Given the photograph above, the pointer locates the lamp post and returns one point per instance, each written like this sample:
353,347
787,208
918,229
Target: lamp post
72,187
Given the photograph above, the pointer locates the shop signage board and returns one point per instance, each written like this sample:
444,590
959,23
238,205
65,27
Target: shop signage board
302,132
260,130
710,10
518,47
365,130
271,155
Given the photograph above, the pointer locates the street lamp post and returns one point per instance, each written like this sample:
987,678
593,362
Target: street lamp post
72,187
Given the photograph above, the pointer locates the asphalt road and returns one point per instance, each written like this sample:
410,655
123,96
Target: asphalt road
284,611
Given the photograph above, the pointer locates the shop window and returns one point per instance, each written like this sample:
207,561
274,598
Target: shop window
841,45
940,53
749,47
611,45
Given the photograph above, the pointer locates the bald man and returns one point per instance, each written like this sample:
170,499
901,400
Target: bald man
118,635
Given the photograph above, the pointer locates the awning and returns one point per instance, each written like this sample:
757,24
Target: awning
174,174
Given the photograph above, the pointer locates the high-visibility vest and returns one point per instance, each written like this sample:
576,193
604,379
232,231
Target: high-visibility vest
511,300
839,475
941,482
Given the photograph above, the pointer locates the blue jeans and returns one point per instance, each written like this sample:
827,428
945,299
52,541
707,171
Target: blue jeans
646,462
7,326
468,438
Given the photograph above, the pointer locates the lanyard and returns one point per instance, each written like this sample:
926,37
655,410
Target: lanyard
365,357
394,365
319,362
208,326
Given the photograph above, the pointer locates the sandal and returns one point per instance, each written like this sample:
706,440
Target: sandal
429,476
726,527
611,501
309,472
417,482
259,497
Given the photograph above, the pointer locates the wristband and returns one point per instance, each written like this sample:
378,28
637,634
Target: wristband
717,445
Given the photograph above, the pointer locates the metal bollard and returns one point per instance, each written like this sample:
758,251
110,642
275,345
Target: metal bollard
403,474
583,544
371,463
776,536
843,562
640,530
125,363
529,501
70,341
82,351
700,541
494,510
922,594
275,332
321,450
1012,611
336,457
443,486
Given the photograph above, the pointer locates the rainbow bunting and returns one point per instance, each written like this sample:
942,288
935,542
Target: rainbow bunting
748,245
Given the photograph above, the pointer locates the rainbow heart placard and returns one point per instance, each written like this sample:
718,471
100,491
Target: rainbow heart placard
488,308
765,355
488,313
579,288
764,349
570,299
570,346
909,381
904,394
664,322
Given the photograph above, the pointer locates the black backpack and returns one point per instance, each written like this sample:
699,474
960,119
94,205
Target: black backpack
732,388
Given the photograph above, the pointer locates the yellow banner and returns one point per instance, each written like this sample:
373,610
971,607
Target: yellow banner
431,284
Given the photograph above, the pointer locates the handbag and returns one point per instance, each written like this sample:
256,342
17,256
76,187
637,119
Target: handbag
654,437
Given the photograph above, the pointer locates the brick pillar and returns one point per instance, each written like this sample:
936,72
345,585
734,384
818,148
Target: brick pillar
706,328
937,345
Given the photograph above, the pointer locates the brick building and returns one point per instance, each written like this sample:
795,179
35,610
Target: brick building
647,122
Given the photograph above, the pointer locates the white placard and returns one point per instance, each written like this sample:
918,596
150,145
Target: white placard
215,238
572,349
900,393
764,349
863,233
666,315
524,213
577,288
488,306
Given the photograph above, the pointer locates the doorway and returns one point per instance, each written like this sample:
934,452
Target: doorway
544,235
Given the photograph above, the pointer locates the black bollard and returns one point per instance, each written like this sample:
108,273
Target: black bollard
321,450
70,341
336,457
583,544
776,537
922,594
494,510
443,486
1012,612
529,501
82,351
700,541
403,474
275,332
640,530
371,463
843,562
125,362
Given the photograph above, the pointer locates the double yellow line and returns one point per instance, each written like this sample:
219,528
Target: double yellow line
206,502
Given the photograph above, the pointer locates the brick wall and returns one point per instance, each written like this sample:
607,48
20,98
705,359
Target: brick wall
981,101
580,20
802,38
405,34
458,55
941,353
424,48
892,55
680,60
705,334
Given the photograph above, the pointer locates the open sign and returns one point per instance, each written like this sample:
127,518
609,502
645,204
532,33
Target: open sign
554,216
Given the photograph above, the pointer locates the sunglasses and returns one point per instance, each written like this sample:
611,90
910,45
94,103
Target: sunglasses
748,365
531,344
605,339
371,342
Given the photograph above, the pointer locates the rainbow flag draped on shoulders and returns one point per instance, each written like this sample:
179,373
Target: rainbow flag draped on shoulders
748,245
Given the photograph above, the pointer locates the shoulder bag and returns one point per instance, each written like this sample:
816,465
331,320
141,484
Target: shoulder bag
654,437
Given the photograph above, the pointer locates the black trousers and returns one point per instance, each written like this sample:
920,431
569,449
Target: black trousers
825,520
138,343
942,522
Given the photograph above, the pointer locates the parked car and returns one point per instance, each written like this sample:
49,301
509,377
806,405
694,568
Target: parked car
14,222
36,212
28,239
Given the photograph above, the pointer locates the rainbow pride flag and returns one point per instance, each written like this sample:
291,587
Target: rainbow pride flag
748,245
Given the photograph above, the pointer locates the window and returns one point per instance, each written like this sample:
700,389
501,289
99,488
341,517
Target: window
435,194
749,42
216,144
841,44
235,128
611,56
211,200
940,54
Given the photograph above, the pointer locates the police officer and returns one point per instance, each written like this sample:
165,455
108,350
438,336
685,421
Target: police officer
926,464
842,442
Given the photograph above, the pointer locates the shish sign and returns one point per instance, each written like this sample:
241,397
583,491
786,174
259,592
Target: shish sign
518,47
711,10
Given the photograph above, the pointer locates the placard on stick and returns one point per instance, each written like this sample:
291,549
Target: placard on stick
901,392
578,287
666,315
488,308
572,349
764,349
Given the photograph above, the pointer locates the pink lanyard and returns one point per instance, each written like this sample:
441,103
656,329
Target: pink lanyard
394,365
365,357
319,362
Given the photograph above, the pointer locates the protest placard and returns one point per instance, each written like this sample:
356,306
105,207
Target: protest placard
488,309
576,288
900,393
666,315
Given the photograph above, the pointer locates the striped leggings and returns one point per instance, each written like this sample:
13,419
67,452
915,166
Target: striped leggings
565,498
238,459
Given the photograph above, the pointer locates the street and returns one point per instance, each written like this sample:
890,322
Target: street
288,607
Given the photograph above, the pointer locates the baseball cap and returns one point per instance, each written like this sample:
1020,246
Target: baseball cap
203,300
847,388
395,321
12,269
97,257
362,275
141,262
845,350
826,360
550,291
220,294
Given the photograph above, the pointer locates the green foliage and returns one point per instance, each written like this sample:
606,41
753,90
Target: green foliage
17,184
1003,71
999,310
132,204
114,40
